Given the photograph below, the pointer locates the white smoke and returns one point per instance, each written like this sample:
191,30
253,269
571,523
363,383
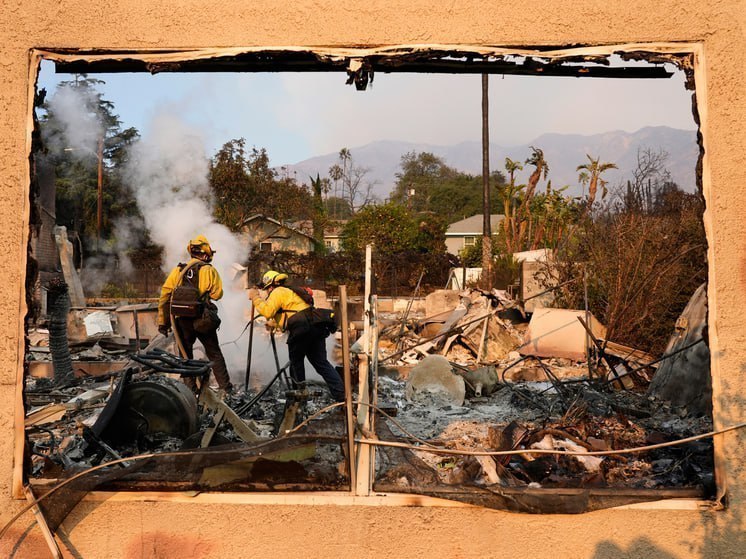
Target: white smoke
76,112
168,173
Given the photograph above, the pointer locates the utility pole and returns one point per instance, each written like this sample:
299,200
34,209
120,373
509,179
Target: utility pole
100,207
486,226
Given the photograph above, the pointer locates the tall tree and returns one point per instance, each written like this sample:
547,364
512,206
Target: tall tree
244,184
355,187
541,168
427,184
319,211
509,197
85,142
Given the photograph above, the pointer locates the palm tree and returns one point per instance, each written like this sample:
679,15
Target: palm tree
591,172
541,169
525,218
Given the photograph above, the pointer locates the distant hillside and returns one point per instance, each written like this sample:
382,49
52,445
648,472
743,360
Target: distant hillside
564,152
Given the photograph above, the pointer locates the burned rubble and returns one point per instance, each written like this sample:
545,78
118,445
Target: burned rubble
476,377
495,384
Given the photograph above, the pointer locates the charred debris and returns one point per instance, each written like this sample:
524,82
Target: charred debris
459,373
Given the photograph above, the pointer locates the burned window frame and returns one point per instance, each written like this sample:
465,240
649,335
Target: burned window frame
360,64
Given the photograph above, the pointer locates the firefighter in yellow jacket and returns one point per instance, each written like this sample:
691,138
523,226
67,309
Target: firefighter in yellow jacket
190,323
282,304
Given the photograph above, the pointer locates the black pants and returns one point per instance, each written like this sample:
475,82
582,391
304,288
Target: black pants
312,345
212,349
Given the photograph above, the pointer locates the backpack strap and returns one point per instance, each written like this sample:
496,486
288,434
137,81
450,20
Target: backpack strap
185,268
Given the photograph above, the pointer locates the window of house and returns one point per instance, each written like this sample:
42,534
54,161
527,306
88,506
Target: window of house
609,199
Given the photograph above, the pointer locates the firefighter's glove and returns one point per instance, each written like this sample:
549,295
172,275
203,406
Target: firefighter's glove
164,329
252,294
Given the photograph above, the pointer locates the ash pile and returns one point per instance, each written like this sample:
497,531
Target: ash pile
207,440
480,375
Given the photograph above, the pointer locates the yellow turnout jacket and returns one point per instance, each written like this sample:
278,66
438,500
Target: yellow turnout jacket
209,282
281,304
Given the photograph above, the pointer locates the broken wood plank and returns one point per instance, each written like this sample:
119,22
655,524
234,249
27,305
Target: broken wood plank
489,468
210,431
480,353
210,398
47,414
627,353
54,549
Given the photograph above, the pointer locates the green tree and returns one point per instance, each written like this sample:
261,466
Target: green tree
244,184
509,196
426,183
337,208
420,176
393,229
79,127
319,212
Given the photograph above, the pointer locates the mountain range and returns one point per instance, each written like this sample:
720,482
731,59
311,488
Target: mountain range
563,152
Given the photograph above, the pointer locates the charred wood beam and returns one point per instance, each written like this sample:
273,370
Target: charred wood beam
307,62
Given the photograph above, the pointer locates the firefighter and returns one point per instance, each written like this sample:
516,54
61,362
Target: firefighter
290,308
186,296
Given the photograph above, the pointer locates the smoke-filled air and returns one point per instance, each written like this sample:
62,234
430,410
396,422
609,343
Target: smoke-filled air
168,172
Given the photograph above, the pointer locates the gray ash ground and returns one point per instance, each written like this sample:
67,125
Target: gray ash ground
623,419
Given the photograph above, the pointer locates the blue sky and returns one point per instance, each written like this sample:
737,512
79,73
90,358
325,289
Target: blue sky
299,115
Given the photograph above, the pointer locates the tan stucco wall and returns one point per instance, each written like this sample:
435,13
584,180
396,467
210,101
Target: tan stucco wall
282,238
99,530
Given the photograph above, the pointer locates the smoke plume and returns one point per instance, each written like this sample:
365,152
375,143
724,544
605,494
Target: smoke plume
80,128
168,173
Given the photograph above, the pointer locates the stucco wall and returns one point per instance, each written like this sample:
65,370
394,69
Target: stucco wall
281,238
160,529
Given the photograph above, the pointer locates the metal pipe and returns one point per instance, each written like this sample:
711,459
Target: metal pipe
137,330
251,345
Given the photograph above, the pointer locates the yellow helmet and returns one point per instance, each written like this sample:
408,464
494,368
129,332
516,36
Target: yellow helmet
273,278
199,247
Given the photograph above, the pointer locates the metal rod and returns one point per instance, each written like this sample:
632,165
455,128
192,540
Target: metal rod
602,353
350,420
248,356
274,352
137,329
409,307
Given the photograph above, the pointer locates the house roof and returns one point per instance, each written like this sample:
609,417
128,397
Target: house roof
472,225
278,223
